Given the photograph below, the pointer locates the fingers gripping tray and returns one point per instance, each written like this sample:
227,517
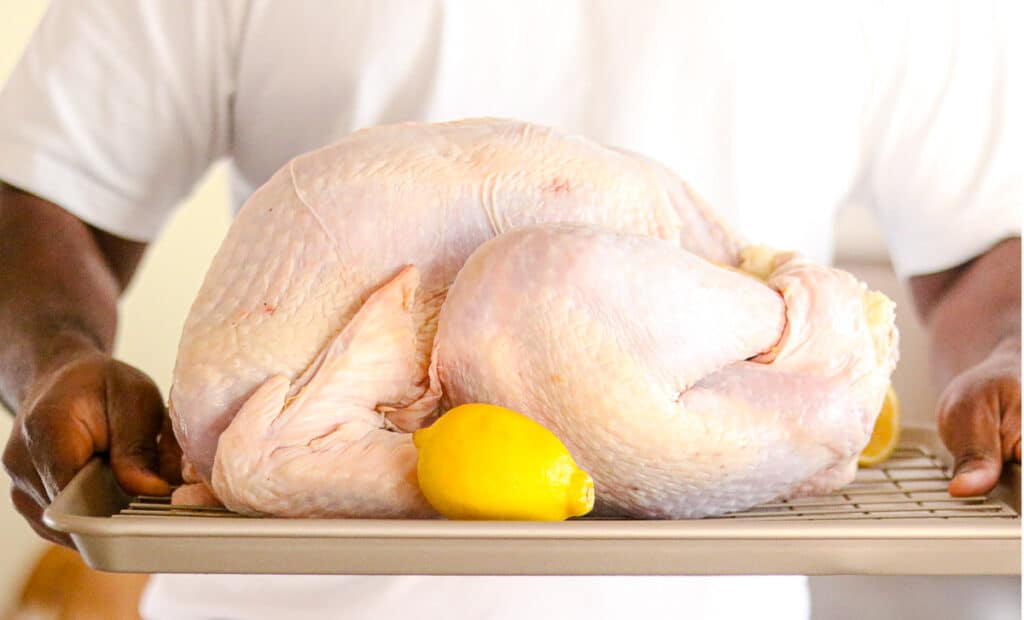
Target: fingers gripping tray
896,518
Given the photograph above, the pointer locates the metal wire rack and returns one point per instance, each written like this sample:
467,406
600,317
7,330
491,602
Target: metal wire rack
910,485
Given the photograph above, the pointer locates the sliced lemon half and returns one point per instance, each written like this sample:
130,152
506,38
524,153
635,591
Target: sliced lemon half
886,434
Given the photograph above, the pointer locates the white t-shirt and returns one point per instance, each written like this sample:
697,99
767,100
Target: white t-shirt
778,113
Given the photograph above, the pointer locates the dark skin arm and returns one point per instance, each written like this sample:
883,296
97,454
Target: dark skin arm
973,316
59,287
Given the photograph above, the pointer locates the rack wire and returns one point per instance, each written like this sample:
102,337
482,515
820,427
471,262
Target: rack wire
912,484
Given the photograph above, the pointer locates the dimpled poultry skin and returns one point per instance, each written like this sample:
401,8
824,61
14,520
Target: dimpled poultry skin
371,285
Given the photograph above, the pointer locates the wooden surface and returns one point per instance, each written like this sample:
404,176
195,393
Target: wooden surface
62,587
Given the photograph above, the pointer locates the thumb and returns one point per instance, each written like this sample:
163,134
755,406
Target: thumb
975,476
970,430
135,413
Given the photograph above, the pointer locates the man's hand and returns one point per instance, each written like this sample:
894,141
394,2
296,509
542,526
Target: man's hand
979,420
89,404
59,284
973,316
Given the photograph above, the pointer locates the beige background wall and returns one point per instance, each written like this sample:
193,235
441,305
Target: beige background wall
155,307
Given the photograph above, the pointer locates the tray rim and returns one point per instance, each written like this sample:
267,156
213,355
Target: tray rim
986,545
60,517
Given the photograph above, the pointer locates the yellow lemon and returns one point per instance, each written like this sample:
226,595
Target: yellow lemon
886,433
486,462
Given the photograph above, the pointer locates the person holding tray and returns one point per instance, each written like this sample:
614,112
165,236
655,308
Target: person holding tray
778,114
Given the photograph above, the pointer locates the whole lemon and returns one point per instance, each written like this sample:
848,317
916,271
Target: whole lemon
486,462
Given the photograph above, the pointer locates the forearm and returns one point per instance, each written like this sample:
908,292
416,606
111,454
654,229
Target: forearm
972,310
58,291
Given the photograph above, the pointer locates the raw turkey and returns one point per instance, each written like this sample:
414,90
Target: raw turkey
371,285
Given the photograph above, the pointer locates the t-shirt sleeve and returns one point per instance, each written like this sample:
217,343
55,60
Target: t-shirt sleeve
944,129
117,108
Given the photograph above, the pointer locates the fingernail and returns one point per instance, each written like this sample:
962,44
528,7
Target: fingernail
964,469
971,471
967,474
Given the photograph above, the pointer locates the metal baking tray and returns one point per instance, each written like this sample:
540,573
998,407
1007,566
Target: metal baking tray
894,519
